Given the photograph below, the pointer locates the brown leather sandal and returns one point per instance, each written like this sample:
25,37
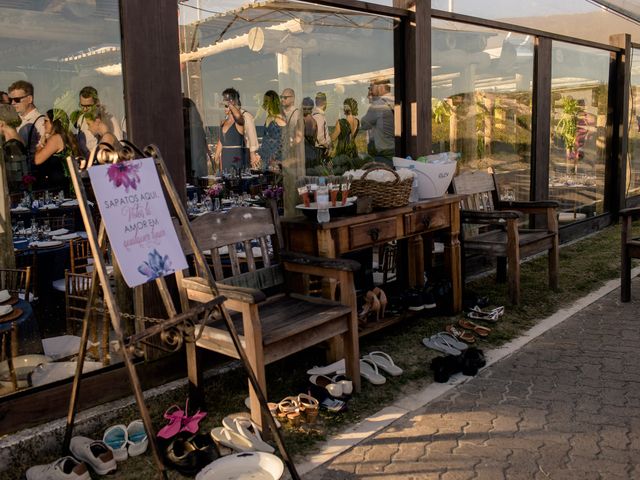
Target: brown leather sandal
463,335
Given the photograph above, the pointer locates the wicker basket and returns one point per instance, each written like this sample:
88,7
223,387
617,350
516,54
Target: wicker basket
383,194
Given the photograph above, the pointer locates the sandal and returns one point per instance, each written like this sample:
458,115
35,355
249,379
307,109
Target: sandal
477,329
476,313
382,297
461,334
175,415
289,409
445,343
384,362
309,406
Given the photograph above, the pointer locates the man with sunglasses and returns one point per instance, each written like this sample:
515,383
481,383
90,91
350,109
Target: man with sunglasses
31,129
88,99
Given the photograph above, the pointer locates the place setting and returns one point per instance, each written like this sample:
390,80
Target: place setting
7,311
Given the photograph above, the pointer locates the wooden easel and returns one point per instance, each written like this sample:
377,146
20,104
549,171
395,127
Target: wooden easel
184,326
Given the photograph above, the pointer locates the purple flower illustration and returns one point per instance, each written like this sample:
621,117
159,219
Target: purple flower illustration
156,266
125,174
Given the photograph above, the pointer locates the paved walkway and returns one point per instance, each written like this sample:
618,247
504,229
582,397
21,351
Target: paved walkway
564,406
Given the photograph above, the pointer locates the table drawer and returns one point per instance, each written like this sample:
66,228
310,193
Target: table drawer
426,220
371,233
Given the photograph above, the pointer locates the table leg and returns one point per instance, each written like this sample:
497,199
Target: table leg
453,262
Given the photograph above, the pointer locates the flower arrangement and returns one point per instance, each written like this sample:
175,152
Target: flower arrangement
27,181
215,190
274,191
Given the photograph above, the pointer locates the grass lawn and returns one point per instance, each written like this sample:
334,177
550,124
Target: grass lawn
584,267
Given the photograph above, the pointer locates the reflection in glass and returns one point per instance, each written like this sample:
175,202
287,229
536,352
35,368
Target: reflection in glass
633,147
69,52
579,102
575,18
316,82
481,105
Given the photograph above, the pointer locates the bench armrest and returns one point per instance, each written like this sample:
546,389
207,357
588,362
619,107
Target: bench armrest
633,212
241,294
493,218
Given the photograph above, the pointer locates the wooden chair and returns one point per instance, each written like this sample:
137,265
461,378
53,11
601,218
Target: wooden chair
630,248
60,221
16,280
274,319
76,297
497,232
80,255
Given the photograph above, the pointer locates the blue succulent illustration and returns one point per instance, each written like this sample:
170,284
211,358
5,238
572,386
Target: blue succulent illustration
156,265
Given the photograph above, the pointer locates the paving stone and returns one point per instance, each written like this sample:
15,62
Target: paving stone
565,406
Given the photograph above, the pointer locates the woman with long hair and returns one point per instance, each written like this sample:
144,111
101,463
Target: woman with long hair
344,134
100,125
271,147
50,158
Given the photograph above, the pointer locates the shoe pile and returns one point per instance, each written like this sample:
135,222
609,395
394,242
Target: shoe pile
184,448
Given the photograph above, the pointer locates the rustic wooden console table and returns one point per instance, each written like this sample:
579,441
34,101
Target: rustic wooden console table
346,234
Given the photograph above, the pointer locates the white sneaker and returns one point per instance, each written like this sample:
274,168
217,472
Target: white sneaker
95,453
116,438
63,468
138,440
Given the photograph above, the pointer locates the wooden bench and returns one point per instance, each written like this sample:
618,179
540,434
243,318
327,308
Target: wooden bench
497,232
272,314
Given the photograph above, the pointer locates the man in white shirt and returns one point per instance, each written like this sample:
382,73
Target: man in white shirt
88,98
378,122
323,140
294,131
31,129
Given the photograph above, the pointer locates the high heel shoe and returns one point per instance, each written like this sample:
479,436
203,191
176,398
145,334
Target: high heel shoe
382,297
372,304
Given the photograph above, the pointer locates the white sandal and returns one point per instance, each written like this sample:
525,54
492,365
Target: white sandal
384,362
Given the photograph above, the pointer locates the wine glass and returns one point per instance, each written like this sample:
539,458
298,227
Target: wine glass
20,227
46,227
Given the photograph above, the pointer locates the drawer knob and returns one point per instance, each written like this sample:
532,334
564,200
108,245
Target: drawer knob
374,233
426,221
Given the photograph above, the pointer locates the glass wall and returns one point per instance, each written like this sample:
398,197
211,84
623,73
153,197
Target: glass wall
481,105
632,186
579,101
285,89
51,51
583,19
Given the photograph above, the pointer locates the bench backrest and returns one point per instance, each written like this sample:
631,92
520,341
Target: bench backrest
241,246
480,188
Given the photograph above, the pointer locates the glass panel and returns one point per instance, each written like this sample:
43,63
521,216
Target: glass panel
481,106
303,73
52,51
575,18
633,152
579,89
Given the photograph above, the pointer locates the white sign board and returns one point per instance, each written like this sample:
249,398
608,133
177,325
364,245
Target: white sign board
137,219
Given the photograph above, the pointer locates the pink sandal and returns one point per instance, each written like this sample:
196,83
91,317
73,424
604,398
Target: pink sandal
175,418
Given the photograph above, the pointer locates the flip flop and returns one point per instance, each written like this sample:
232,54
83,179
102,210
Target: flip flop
461,334
478,329
441,344
328,369
384,362
369,371
231,439
455,343
249,430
